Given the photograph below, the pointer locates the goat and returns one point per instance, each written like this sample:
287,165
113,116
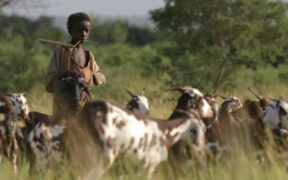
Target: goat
229,105
275,116
276,112
233,115
15,110
6,106
138,104
45,132
192,98
45,145
71,93
145,138
204,105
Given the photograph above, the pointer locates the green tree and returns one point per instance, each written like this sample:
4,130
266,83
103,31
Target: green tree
109,31
216,37
23,60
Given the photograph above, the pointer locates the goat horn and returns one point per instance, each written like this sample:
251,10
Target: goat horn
215,95
181,89
253,92
223,97
129,92
143,91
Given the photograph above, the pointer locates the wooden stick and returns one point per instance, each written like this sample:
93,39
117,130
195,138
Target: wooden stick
46,41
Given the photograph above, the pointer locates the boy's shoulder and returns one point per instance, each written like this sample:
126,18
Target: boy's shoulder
89,54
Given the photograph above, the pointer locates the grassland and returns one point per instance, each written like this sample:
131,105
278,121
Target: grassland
240,164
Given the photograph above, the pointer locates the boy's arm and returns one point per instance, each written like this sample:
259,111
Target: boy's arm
98,77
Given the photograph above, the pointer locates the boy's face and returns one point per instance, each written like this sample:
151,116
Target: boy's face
80,31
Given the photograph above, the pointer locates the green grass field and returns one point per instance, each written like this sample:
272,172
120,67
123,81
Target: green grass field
240,164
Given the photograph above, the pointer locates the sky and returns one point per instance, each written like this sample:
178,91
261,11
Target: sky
93,7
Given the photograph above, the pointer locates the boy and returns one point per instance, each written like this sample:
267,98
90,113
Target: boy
73,61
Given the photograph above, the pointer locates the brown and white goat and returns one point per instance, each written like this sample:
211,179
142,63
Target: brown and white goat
276,112
192,98
236,124
44,145
204,105
233,115
142,137
139,104
6,105
15,109
275,115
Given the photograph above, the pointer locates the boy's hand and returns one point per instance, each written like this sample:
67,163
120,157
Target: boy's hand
99,79
67,73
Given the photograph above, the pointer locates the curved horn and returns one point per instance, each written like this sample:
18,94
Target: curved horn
181,89
253,92
223,97
129,92
142,93
215,95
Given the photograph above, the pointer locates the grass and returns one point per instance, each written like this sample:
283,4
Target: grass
238,165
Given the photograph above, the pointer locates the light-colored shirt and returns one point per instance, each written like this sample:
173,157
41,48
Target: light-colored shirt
62,61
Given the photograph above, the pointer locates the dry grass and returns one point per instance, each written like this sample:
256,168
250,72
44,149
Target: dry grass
240,164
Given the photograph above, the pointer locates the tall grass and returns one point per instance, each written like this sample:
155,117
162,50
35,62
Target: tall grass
240,164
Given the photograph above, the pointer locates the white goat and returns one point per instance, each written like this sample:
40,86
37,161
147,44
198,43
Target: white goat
142,137
139,104
275,112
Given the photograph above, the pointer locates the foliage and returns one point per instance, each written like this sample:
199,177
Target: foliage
218,36
120,31
23,60
138,57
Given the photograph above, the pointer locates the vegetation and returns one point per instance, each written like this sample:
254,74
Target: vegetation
216,37
221,46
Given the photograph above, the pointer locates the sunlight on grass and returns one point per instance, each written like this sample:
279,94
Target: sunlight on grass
240,164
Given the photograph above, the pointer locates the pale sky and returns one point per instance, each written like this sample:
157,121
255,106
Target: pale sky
94,7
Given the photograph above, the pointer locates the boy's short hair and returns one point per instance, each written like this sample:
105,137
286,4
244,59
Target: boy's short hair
76,17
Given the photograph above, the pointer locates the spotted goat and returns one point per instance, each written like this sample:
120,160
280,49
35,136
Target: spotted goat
275,115
15,109
192,98
139,136
207,109
45,132
44,135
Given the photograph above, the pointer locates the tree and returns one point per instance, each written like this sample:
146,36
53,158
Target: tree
109,31
21,3
215,37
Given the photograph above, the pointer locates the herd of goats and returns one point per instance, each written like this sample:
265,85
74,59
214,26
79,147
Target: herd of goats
196,122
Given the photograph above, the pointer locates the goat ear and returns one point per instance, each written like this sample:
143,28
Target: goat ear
143,91
264,102
129,92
